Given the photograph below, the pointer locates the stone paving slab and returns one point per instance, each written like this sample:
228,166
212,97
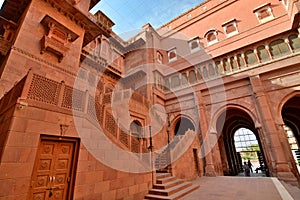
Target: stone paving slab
241,188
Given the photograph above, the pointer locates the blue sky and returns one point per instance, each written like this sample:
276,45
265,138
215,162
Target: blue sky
130,15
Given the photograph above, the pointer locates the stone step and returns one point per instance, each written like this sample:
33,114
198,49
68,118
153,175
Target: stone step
168,184
171,190
175,196
162,175
162,171
165,180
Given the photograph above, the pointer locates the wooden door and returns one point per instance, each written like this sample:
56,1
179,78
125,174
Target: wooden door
54,169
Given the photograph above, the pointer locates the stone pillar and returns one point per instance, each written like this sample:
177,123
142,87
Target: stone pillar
206,148
287,151
280,164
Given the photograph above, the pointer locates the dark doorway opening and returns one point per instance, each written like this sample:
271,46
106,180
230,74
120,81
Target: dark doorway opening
239,142
291,117
183,125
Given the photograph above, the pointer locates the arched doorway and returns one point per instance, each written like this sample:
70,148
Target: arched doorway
183,124
291,118
137,141
136,129
229,126
247,149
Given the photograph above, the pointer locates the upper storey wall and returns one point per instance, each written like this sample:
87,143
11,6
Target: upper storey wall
213,15
33,30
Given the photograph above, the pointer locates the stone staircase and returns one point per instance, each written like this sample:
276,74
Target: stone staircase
168,187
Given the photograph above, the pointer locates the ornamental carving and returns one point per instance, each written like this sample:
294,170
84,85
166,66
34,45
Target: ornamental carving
7,35
58,38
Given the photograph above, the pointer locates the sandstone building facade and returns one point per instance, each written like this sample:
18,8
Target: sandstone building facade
86,115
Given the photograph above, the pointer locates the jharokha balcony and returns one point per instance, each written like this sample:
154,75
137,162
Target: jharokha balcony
7,32
4,46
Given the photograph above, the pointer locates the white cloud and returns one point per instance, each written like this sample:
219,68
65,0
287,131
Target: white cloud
1,2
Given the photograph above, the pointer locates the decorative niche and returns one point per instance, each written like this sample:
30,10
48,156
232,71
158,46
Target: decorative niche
58,38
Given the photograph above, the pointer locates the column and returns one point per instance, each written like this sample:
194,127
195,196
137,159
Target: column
205,146
280,165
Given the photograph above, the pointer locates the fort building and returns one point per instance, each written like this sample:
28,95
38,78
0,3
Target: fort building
87,115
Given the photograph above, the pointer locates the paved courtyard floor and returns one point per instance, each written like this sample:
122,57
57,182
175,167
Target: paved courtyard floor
243,188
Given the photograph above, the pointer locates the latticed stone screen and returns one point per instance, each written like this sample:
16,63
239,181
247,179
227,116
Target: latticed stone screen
110,124
73,99
107,98
91,108
134,145
44,90
124,138
99,112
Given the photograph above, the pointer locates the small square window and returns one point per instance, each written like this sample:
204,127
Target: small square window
230,27
264,13
194,44
172,55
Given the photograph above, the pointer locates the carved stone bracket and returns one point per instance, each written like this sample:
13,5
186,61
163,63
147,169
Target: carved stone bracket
4,46
52,45
7,32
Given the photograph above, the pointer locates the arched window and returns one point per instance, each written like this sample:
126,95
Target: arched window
192,76
294,42
250,57
136,129
211,37
167,84
199,73
184,79
240,61
263,54
205,72
233,64
211,70
279,48
219,67
175,82
226,65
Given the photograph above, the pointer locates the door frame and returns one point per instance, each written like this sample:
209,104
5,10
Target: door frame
74,162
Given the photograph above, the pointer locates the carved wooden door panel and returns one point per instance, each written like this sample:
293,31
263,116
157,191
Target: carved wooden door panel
53,170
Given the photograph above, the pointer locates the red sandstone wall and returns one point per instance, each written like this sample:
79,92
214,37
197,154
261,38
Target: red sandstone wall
185,167
27,47
94,180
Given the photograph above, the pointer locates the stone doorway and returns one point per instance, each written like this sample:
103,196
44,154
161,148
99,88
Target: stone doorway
247,148
182,125
291,118
228,124
54,171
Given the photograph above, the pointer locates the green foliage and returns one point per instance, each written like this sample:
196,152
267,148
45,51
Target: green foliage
250,152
